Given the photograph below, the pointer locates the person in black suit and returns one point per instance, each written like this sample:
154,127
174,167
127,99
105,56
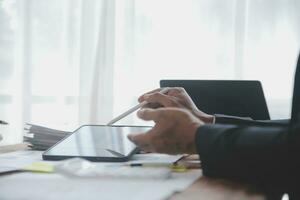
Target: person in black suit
263,153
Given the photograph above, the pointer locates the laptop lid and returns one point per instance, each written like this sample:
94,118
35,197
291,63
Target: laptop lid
236,98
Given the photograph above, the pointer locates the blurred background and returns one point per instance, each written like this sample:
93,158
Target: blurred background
64,63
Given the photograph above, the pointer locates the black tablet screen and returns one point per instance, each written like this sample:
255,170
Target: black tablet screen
97,141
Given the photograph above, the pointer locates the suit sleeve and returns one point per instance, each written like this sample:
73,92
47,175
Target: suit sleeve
255,154
226,119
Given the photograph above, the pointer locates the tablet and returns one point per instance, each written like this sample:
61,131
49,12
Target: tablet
98,143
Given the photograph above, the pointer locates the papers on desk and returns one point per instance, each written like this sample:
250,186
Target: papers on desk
17,160
48,187
80,168
42,138
58,186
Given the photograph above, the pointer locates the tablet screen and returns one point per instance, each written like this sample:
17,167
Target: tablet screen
96,141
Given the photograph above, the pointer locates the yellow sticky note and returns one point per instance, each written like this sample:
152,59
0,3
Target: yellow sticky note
178,168
41,167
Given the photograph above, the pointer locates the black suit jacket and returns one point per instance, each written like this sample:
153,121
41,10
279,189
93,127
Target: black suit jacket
262,153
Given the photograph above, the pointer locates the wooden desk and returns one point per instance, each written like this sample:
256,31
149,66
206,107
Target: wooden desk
203,188
214,189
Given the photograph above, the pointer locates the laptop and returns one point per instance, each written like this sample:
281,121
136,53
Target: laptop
229,97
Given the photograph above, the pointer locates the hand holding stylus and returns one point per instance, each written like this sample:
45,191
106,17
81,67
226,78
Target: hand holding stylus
175,97
131,110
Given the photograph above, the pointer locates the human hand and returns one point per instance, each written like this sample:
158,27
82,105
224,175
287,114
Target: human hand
175,97
173,133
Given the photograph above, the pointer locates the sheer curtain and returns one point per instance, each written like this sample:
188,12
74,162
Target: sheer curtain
64,63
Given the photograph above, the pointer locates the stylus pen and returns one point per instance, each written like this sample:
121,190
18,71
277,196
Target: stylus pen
131,110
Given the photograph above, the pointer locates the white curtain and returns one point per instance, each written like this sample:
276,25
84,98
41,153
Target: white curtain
64,63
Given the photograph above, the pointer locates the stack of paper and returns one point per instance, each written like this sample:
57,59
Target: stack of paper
41,138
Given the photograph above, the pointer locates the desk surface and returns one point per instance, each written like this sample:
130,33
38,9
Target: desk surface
203,188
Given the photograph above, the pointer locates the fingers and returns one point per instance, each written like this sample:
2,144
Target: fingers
156,96
176,91
150,114
143,140
174,131
160,113
162,100
144,96
151,141
159,98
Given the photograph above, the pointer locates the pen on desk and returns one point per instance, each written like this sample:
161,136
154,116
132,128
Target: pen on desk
3,122
131,110
174,167
150,165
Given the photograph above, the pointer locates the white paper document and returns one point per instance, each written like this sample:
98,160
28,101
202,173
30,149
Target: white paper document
17,160
36,187
33,186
